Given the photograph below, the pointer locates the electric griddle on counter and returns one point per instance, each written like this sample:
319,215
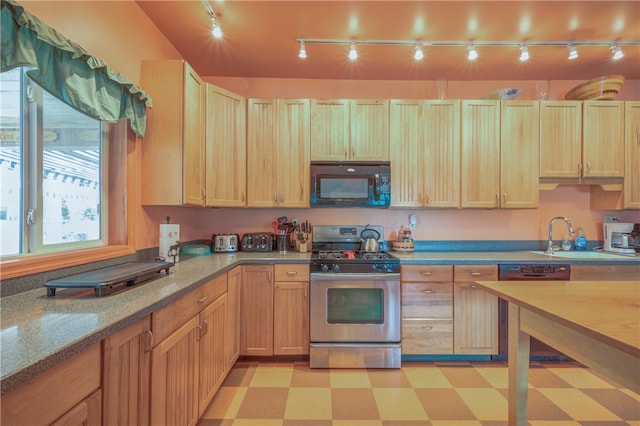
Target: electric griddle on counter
104,281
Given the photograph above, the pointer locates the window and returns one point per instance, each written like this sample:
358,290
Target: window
52,169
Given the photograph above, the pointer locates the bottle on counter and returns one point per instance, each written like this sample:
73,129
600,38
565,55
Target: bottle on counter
580,242
566,243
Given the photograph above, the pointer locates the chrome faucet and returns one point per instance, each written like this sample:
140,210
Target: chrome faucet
571,232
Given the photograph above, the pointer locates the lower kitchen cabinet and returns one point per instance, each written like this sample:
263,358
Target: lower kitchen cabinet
475,322
68,394
605,272
213,363
126,357
275,310
427,309
232,339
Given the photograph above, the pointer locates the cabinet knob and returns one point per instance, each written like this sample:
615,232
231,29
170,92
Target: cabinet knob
588,167
427,327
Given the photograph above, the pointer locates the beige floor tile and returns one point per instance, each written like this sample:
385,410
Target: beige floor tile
392,378
357,423
309,404
225,404
455,423
580,378
553,423
485,403
270,376
443,404
426,377
578,405
466,377
303,376
350,379
497,377
257,422
398,404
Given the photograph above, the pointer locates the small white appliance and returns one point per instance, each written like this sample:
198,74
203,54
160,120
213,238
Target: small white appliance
618,238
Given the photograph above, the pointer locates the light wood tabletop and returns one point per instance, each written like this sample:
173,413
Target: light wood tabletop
597,323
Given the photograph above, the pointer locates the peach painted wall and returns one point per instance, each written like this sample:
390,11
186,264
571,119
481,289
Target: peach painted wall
120,34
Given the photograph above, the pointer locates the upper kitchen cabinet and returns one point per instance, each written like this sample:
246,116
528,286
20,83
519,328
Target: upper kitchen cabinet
425,153
278,134
350,130
226,148
173,149
499,158
581,139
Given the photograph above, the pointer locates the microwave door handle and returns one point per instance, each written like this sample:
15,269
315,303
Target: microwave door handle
376,186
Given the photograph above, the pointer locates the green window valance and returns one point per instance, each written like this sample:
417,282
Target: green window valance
67,71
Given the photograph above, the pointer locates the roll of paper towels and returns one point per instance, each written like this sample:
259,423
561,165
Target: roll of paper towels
169,236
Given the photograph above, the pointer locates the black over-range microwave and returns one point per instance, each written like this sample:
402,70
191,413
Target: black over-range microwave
350,184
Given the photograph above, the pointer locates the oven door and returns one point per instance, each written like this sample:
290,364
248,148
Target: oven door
355,307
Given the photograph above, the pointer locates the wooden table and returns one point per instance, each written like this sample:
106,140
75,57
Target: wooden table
597,323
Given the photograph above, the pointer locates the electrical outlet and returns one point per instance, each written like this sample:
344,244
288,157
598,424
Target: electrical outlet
412,222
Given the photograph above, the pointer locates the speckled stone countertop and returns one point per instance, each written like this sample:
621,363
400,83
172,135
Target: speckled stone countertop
37,332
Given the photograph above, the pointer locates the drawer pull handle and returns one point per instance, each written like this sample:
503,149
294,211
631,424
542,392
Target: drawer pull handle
292,273
475,274
427,273
427,291
205,327
427,327
202,299
150,340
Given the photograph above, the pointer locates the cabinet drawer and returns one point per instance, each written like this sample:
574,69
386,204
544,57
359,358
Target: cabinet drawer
292,272
470,273
427,273
427,300
54,392
427,337
168,318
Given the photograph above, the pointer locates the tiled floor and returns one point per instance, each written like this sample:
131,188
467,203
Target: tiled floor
420,393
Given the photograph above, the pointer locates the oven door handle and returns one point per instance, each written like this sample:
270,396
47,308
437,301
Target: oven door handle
367,276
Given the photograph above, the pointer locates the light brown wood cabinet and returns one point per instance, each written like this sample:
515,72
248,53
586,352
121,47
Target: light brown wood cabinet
188,363
68,394
475,322
226,148
173,152
278,165
560,139
126,373
232,340
256,306
499,156
291,310
603,139
349,129
605,272
425,153
427,309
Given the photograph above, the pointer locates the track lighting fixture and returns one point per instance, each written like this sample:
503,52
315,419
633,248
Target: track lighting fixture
215,25
473,53
616,51
353,53
524,53
303,52
418,55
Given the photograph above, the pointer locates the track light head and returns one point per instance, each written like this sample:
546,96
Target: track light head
353,53
215,27
573,52
524,53
616,51
473,53
303,52
419,54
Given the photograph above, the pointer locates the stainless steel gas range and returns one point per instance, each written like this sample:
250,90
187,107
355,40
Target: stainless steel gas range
354,301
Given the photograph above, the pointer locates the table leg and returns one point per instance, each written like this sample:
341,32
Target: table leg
518,358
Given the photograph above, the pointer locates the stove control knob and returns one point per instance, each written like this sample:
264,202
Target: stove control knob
336,268
377,268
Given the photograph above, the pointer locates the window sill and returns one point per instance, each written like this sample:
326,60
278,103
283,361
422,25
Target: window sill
15,267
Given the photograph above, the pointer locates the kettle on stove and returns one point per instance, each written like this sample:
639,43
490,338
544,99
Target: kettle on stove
369,242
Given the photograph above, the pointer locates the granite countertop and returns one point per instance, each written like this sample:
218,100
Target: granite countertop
38,332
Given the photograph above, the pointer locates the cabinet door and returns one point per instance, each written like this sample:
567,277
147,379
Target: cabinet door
406,123
87,413
441,153
293,153
291,318
603,139
262,152
480,172
631,198
369,130
560,139
329,129
125,376
212,351
174,377
226,146
234,282
193,139
519,154
256,332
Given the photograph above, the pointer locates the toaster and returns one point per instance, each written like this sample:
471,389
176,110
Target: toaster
261,241
224,243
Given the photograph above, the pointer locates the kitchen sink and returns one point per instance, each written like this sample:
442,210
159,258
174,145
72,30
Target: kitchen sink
581,255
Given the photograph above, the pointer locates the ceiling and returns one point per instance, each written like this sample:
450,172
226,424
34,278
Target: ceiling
260,38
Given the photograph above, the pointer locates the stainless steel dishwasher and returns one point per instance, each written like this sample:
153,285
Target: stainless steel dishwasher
529,272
